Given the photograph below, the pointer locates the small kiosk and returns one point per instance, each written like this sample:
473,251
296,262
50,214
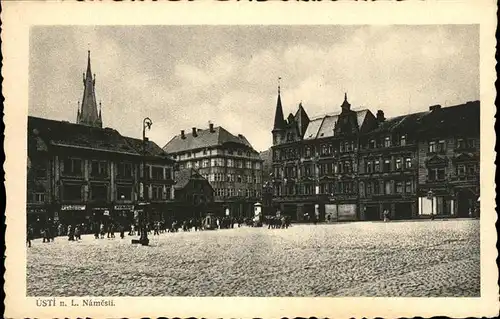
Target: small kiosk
257,219
209,222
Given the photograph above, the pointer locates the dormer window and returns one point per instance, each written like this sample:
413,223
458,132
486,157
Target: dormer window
372,144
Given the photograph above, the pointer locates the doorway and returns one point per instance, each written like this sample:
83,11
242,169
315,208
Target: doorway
465,202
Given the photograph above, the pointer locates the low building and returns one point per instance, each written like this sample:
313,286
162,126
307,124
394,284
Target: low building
194,196
229,162
79,173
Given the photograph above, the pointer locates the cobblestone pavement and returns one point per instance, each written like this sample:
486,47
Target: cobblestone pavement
412,259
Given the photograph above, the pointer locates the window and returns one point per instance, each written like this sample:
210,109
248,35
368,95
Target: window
372,144
72,166
324,149
189,164
230,151
99,168
408,162
436,174
238,179
376,187
388,188
399,187
369,166
247,192
471,143
441,147
205,151
239,164
249,164
460,143
347,167
308,189
39,197
124,192
408,189
307,151
399,165
387,141
188,154
217,162
240,152
402,140
471,169
157,192
368,188
387,165
124,170
432,147
157,172
257,165
205,163
99,192
230,162
72,192
377,166
341,147
461,170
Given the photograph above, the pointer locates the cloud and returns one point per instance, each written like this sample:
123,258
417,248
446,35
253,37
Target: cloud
155,72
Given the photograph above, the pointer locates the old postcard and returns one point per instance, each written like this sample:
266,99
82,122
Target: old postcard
280,159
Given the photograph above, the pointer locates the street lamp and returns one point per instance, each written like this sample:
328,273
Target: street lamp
143,240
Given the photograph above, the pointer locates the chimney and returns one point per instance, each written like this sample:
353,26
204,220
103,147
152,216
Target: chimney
183,136
211,126
146,139
195,132
434,107
380,116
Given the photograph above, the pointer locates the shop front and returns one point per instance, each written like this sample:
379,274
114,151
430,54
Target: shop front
72,214
124,213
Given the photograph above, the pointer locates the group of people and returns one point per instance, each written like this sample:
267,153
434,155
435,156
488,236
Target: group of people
277,222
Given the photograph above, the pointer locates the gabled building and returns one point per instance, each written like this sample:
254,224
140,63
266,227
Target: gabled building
80,173
315,162
227,161
352,165
194,196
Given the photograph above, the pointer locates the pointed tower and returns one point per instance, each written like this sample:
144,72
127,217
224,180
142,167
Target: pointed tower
302,120
88,114
345,105
279,120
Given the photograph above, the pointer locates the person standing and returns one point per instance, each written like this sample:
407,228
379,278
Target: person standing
29,235
77,232
122,231
71,233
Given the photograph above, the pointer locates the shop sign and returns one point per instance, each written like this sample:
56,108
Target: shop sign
37,210
73,207
100,208
124,207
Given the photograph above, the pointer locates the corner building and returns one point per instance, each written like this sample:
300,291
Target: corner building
353,165
229,162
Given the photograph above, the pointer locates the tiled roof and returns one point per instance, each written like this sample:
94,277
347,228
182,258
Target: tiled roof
323,126
152,149
66,134
183,176
204,139
448,119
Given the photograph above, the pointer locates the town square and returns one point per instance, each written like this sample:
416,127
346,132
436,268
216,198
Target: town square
407,259
216,172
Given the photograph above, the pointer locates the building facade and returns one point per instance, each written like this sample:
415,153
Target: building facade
194,196
77,173
228,162
353,165
449,161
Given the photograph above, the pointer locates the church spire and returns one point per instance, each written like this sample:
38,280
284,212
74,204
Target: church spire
89,114
279,119
345,105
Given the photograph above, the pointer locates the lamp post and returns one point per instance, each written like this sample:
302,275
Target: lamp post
143,240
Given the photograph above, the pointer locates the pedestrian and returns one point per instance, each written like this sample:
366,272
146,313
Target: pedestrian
71,233
77,233
122,231
157,229
112,230
386,213
102,231
60,229
29,235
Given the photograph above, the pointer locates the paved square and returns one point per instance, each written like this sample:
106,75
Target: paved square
414,258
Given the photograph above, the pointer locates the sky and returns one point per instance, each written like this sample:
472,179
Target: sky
185,76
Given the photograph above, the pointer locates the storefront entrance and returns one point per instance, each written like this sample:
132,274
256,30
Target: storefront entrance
372,213
465,203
